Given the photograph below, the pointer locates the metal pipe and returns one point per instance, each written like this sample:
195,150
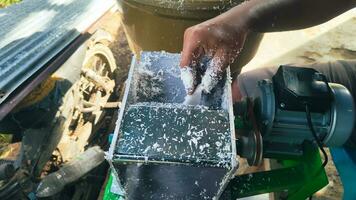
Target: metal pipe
96,78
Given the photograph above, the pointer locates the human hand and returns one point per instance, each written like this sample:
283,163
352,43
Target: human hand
220,40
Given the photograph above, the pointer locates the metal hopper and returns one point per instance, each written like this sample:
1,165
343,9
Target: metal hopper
163,149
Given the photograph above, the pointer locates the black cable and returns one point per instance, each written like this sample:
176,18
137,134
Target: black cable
311,127
318,141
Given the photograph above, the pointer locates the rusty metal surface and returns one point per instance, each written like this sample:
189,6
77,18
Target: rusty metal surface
35,31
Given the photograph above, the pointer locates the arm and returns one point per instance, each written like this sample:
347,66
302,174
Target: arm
283,15
222,38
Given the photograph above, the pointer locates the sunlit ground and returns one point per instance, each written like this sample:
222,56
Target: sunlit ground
4,3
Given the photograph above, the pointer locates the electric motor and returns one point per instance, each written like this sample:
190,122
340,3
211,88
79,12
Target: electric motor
278,115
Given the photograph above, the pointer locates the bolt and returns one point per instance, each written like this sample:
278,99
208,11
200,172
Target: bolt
282,105
318,76
283,195
262,82
265,122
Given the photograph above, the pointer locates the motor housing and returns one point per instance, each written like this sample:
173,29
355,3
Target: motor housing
277,114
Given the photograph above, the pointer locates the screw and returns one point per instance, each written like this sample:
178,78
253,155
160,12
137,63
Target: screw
2,94
282,105
262,82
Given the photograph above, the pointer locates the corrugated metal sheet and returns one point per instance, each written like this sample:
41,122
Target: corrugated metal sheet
34,31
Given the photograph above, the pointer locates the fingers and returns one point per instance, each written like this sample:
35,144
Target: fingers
192,48
190,59
189,72
215,71
187,54
197,45
189,79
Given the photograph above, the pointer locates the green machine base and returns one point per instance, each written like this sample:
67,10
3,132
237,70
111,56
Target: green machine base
297,179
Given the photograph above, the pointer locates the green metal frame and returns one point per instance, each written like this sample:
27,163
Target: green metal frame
108,195
298,179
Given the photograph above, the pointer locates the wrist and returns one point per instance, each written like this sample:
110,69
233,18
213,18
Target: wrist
238,18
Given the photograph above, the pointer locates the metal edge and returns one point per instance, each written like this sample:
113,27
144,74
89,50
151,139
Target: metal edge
234,163
38,62
121,188
336,88
24,89
122,109
110,154
144,159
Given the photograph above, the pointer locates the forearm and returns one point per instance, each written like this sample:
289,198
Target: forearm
284,15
